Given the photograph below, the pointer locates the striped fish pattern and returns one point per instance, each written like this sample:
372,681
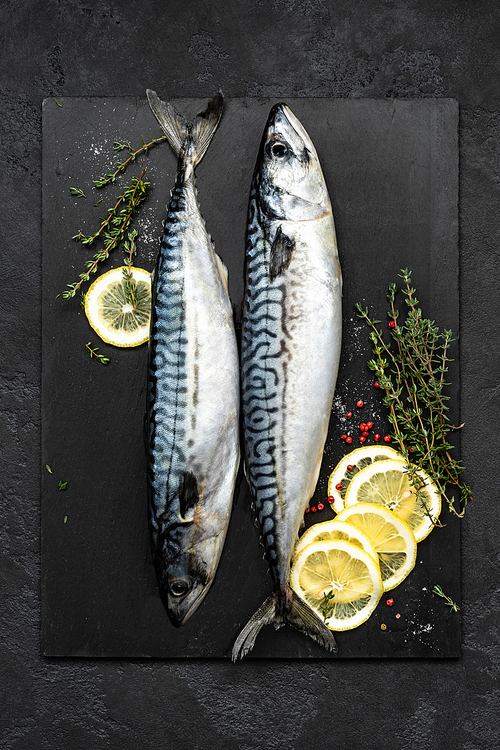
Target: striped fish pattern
290,354
193,385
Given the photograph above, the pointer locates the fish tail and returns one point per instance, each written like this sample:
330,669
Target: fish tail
179,132
297,613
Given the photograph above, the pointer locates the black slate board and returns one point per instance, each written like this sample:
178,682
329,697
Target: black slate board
392,171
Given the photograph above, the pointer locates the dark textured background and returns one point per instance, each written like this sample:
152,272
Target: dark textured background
275,48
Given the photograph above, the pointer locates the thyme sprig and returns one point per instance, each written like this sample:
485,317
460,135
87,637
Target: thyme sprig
412,369
130,282
450,603
326,606
133,154
112,230
94,353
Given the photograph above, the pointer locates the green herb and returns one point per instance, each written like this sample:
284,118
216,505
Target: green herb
121,166
48,468
99,201
65,519
94,353
449,602
130,282
62,485
77,192
326,606
411,369
112,231
58,103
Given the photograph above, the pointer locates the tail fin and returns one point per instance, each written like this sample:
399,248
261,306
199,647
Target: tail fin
299,615
179,132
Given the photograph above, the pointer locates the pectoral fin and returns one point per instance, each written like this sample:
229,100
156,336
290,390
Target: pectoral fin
281,253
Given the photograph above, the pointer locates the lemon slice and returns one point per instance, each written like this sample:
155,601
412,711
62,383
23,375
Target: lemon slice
388,484
358,459
390,535
111,316
335,529
340,581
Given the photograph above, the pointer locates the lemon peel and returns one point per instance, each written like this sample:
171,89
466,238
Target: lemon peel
110,314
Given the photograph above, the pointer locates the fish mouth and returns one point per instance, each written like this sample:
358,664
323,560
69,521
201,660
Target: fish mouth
281,119
180,609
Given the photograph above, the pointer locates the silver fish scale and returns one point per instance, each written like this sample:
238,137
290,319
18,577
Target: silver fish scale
263,343
167,373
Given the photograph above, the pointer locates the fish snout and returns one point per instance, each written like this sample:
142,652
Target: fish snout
182,597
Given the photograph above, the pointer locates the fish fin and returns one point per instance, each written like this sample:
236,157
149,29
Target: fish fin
299,615
205,125
188,494
223,272
246,639
303,618
179,131
173,125
281,253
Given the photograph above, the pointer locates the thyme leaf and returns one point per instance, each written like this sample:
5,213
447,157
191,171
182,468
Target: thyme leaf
449,602
94,353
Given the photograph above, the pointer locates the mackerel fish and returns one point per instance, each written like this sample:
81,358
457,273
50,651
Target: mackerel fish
291,341
193,386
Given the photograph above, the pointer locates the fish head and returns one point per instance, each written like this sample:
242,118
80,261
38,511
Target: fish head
186,562
184,586
288,177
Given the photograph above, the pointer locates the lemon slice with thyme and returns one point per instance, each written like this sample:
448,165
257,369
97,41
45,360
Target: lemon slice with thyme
350,464
341,582
388,483
111,314
390,535
336,530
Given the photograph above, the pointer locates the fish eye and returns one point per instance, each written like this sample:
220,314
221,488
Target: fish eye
278,150
179,586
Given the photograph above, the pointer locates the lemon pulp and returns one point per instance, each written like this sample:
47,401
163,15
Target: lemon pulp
110,313
341,582
388,484
392,538
351,464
